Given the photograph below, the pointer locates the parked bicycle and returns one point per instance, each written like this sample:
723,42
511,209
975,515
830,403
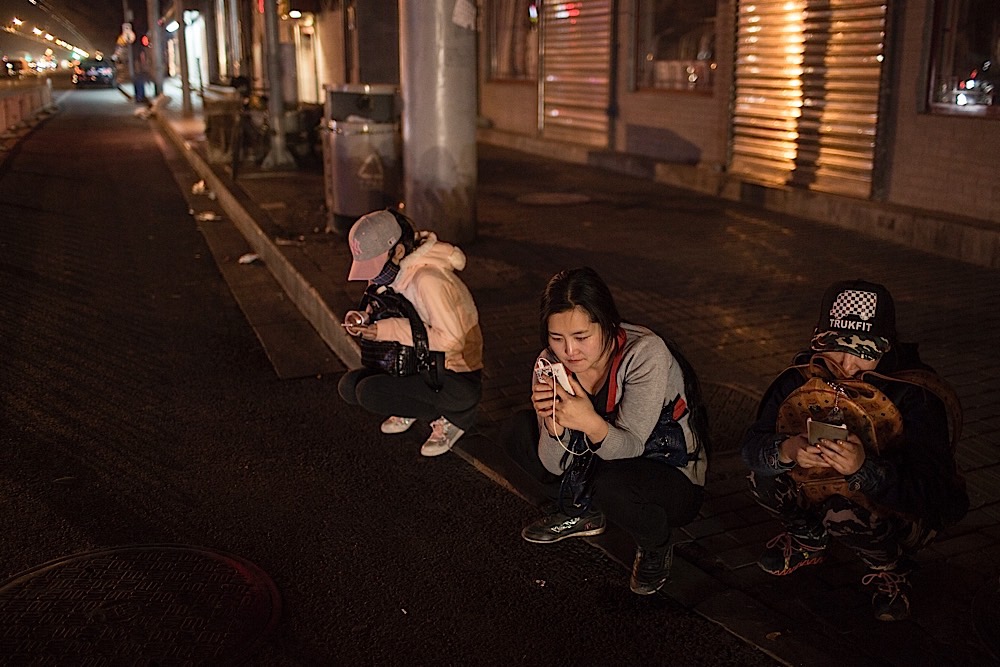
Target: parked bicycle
251,133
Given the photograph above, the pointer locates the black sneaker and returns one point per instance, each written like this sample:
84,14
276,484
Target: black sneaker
559,526
786,553
891,597
651,569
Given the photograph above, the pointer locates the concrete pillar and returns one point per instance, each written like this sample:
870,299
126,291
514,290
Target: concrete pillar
155,33
278,157
438,86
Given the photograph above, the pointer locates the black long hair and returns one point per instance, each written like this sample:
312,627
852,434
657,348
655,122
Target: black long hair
408,236
581,287
584,288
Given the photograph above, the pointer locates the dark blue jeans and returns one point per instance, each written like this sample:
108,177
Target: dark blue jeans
139,82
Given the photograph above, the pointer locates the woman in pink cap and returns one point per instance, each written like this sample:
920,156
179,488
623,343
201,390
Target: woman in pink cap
389,253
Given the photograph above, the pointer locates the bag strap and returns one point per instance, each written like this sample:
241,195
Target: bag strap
925,379
421,344
935,384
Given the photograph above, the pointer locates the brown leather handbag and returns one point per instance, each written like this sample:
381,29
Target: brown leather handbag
864,409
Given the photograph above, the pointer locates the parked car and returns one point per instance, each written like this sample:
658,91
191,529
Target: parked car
17,67
94,73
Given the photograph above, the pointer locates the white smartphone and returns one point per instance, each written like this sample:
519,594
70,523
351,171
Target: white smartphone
818,429
557,370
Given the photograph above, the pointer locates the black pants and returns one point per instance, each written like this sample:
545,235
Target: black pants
648,499
457,400
880,539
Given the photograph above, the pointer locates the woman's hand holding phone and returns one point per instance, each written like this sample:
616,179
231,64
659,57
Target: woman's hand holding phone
543,400
845,455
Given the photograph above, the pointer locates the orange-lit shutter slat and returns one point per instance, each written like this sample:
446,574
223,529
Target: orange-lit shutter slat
807,92
576,57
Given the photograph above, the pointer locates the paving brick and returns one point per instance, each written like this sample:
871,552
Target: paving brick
738,289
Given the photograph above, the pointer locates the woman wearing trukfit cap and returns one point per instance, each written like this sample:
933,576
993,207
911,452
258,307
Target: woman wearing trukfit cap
883,484
389,253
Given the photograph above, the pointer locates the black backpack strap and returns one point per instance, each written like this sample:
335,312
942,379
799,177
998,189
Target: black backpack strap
426,362
930,381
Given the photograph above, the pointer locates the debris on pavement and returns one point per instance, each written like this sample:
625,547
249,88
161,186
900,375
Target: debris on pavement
200,189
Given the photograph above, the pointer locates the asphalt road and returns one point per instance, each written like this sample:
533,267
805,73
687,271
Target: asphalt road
137,406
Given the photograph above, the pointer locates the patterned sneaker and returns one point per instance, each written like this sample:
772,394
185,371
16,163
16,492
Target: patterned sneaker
559,526
397,424
444,434
651,569
891,597
786,553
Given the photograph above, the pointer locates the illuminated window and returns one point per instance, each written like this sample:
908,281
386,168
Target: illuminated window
965,62
675,44
513,26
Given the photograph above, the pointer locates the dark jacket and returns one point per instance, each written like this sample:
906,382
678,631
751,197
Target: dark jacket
916,477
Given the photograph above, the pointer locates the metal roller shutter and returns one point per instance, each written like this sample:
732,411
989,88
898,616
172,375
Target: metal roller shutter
576,60
808,74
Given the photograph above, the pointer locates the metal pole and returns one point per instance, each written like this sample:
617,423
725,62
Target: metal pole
155,43
278,157
186,111
438,86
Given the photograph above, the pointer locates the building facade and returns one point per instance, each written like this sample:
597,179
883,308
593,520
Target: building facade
845,105
880,114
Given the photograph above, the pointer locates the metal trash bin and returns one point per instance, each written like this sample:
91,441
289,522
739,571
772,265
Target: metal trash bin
362,148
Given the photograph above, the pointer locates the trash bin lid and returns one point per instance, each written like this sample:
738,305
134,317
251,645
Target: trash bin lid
361,88
360,127
378,102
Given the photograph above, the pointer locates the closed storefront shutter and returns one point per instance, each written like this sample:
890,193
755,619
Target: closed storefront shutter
806,102
576,61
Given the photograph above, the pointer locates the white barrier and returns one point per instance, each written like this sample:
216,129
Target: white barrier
21,101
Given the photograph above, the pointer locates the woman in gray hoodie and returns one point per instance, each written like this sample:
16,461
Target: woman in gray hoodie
625,441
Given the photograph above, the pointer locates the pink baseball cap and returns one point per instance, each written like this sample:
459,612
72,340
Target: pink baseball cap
371,238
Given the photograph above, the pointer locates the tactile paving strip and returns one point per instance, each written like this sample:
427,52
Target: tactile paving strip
137,605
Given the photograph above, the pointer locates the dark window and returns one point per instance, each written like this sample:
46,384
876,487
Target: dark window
675,44
513,26
965,61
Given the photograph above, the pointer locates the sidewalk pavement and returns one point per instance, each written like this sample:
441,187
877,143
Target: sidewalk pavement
738,289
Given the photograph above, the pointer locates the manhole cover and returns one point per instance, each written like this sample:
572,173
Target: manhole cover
137,605
552,199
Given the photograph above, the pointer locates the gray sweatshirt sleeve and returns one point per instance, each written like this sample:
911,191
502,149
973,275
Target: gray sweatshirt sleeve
649,377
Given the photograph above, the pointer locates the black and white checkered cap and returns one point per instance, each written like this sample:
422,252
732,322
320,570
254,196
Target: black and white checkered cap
857,317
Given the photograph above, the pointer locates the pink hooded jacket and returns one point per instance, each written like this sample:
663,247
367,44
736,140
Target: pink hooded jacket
427,278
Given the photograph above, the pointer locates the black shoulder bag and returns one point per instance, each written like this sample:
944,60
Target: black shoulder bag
392,357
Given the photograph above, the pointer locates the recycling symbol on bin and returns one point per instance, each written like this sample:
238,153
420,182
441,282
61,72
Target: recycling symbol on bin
371,174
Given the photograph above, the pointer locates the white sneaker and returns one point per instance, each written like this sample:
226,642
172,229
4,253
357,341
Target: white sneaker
444,434
397,424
